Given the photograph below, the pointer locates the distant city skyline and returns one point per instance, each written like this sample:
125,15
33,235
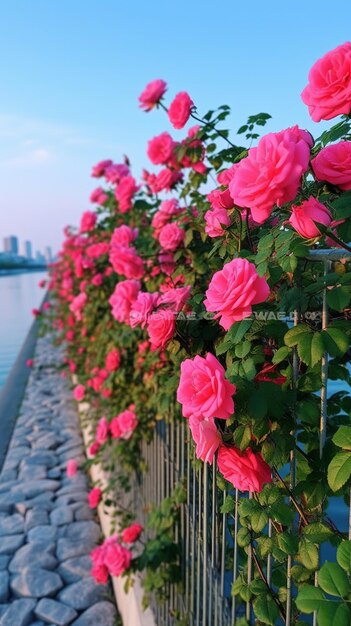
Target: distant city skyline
11,247
74,72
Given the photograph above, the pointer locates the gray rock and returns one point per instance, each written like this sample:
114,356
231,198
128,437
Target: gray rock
84,531
33,555
39,623
4,561
11,525
10,543
35,582
7,475
82,594
52,611
36,472
3,608
40,458
101,613
41,534
35,517
47,442
4,586
61,515
7,500
83,513
55,472
7,485
34,488
19,613
73,570
69,548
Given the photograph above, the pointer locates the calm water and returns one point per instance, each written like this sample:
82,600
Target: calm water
19,294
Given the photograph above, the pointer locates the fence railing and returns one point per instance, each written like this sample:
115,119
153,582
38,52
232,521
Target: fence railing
208,538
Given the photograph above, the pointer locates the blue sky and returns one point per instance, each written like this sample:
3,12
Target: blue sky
72,70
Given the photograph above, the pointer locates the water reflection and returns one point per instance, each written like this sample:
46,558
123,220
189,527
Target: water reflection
19,294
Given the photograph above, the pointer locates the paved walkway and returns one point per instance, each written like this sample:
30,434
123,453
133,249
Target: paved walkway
47,529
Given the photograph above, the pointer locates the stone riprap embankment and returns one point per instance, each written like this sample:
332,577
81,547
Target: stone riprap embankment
47,529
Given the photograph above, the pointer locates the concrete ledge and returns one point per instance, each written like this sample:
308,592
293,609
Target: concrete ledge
12,392
129,604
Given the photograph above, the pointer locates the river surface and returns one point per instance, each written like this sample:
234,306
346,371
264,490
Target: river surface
19,294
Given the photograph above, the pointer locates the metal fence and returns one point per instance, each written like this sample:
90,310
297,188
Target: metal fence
210,556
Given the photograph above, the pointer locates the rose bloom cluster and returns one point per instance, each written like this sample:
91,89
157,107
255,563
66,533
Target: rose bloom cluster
112,558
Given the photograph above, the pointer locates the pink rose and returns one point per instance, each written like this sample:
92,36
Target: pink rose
123,426
165,180
78,392
328,93
271,173
29,362
77,305
333,165
96,250
246,470
98,196
113,360
161,328
99,169
141,309
215,220
125,293
94,448
127,262
171,237
102,431
152,94
124,235
115,172
71,468
160,149
169,207
132,533
175,297
180,109
203,389
220,199
206,437
233,290
167,263
87,222
159,219
305,215
117,558
94,497
124,193
99,570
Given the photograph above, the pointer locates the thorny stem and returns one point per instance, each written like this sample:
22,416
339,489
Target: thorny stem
219,132
292,497
262,574
337,240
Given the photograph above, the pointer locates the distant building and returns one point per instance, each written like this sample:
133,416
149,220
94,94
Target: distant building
48,254
27,249
11,244
40,258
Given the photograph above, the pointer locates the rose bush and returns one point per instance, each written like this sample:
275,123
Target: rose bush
176,305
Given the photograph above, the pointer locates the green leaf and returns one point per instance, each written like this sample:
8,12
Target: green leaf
282,513
266,610
338,298
258,406
259,520
339,470
308,554
333,614
236,333
343,555
300,574
333,580
335,341
244,537
228,505
317,532
309,599
292,337
287,542
249,368
281,354
342,206
342,437
242,436
243,349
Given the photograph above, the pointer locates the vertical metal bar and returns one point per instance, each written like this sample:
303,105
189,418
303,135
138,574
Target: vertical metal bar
269,557
213,541
205,543
288,618
223,552
198,569
235,550
249,575
193,519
